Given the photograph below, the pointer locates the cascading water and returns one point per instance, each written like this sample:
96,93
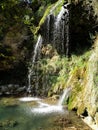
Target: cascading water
56,29
56,33
65,95
62,29
34,58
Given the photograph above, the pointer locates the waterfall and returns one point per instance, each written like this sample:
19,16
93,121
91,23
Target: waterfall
59,17
65,95
61,30
35,57
55,30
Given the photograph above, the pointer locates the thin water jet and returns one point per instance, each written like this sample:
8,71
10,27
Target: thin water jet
65,95
36,52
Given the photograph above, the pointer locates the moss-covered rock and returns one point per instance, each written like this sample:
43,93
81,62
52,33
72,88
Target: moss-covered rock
84,86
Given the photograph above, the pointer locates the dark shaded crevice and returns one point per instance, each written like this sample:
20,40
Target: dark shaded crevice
16,75
74,109
85,113
82,21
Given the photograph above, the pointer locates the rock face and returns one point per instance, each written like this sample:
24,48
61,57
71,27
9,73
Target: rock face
16,43
12,89
83,81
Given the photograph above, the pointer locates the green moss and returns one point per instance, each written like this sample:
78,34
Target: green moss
72,102
58,7
63,72
43,18
54,9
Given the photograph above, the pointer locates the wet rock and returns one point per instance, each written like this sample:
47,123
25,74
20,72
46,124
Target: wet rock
10,86
21,89
55,97
11,89
4,89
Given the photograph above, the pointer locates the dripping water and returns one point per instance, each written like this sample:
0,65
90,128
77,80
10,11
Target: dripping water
48,27
67,34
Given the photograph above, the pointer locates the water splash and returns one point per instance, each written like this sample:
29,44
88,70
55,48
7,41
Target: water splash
44,108
48,109
65,95
36,53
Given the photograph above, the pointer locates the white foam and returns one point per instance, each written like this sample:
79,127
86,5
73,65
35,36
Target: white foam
47,109
41,104
28,99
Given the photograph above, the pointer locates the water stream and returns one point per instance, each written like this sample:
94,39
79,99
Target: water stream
65,95
35,57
